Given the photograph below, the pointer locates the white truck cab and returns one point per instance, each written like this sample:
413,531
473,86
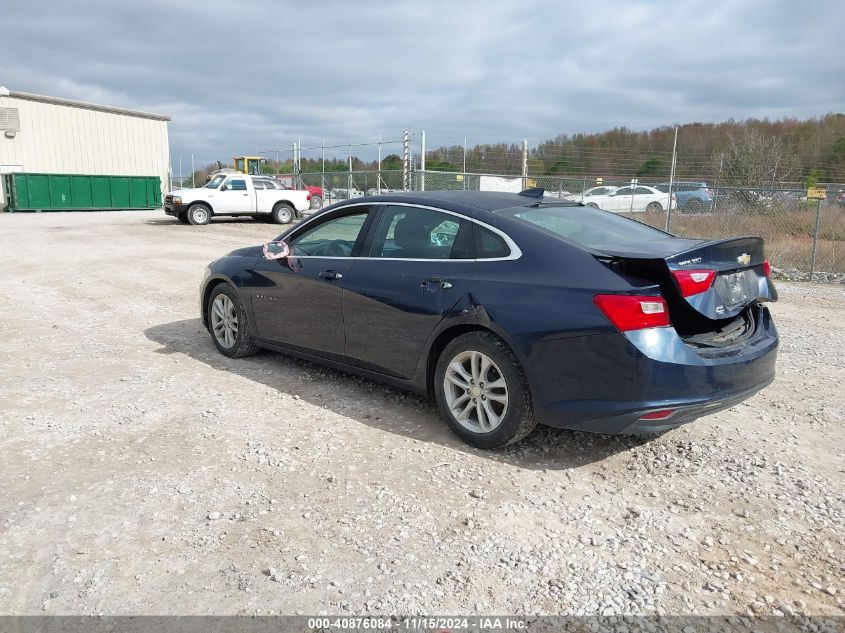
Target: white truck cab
237,194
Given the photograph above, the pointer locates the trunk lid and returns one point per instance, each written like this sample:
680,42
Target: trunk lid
739,280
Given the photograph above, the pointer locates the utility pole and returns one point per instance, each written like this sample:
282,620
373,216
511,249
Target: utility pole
465,162
378,181
406,162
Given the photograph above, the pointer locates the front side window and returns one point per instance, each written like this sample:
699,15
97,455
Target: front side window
236,184
333,238
413,233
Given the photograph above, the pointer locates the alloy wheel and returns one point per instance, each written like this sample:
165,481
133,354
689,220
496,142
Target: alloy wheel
476,391
224,321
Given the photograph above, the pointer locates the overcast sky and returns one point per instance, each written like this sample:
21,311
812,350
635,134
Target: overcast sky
236,76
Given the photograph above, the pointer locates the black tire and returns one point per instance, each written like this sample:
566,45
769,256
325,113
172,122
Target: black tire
199,214
518,420
242,344
182,216
593,205
316,202
283,213
654,207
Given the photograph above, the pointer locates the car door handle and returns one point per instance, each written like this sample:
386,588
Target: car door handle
330,275
445,284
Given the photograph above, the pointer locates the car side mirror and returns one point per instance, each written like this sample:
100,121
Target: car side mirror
276,250
223,188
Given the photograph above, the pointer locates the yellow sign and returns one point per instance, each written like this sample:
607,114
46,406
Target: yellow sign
530,182
816,193
599,180
459,177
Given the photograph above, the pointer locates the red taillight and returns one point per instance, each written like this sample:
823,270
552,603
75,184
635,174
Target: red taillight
633,312
308,197
693,282
661,414
767,268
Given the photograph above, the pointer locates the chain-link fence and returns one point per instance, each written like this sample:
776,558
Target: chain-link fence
805,238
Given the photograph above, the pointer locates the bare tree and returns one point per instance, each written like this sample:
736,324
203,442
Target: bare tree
756,162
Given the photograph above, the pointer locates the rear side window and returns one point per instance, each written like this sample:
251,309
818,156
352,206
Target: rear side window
237,185
488,245
257,184
589,227
414,233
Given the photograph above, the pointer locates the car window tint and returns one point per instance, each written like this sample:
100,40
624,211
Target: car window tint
332,238
412,233
642,191
237,185
591,227
489,245
624,191
257,184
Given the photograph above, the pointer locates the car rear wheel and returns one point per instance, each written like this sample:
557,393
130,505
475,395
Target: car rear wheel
282,213
593,205
199,214
482,391
227,323
316,202
654,207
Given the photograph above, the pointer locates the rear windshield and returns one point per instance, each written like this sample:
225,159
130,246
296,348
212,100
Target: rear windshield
589,227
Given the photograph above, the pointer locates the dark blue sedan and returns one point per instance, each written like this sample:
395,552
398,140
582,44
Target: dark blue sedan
509,310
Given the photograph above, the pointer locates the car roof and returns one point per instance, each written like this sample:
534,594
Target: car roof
480,200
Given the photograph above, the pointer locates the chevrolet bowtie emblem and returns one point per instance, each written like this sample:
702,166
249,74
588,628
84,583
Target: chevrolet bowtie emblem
744,259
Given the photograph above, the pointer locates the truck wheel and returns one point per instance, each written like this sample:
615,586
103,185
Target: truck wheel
316,202
282,213
199,214
182,216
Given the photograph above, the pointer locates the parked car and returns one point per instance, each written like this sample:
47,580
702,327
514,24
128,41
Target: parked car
691,197
840,198
346,194
632,198
589,194
509,310
236,194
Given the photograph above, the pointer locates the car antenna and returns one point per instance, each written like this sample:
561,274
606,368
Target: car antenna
533,192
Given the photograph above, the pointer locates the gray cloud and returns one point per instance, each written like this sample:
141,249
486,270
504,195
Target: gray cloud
235,76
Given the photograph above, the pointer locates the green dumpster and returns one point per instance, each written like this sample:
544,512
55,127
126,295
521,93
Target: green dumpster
80,192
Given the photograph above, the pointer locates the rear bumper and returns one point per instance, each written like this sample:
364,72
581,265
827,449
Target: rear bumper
625,376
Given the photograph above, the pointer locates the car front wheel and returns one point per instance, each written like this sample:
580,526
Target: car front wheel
227,323
199,214
654,207
482,391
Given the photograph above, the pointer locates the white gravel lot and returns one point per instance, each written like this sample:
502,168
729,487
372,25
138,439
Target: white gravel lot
144,473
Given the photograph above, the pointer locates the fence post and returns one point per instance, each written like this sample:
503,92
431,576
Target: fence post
465,163
406,161
378,182
193,184
349,175
422,160
816,239
323,169
672,181
525,163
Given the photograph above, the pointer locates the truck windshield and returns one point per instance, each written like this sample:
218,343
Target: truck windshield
215,182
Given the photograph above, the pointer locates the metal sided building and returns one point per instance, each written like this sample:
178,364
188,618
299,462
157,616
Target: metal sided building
66,154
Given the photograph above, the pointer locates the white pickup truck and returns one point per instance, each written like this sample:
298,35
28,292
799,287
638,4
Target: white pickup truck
237,194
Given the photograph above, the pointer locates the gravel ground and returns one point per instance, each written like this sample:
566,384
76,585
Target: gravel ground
145,473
